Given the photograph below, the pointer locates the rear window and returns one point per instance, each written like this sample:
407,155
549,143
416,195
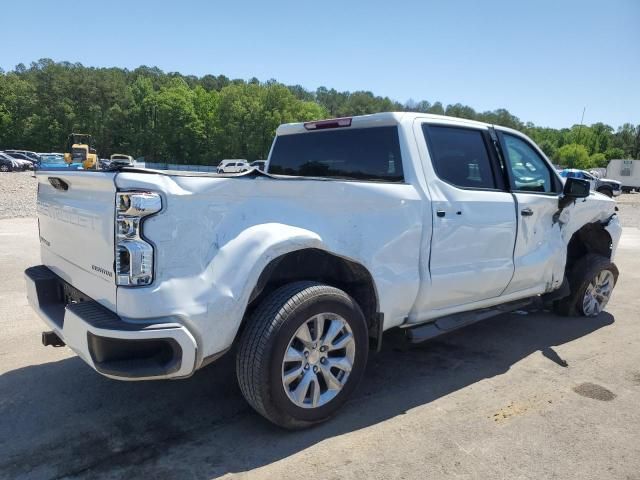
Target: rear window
355,154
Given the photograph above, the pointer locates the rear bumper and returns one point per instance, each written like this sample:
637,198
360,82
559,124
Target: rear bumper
113,347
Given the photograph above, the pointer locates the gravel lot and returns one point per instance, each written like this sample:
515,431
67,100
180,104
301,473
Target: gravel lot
17,195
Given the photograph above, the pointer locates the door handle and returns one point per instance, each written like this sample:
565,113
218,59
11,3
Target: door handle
440,213
526,212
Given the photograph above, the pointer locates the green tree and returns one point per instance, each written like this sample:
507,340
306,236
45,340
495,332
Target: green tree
614,152
573,155
598,160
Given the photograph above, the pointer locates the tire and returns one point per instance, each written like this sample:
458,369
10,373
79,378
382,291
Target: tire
5,168
606,191
584,272
265,377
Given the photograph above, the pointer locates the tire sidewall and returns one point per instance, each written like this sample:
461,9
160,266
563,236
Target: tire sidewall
582,277
579,305
325,303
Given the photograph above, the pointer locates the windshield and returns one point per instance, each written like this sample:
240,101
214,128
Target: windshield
79,155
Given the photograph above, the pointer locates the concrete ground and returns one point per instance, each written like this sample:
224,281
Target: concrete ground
518,396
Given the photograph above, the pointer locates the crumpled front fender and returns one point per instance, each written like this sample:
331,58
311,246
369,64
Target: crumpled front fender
615,230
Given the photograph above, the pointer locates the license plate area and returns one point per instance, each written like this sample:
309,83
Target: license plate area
72,295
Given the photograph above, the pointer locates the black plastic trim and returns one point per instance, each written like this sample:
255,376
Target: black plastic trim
134,358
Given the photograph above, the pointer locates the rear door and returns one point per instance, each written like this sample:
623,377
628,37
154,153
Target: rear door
76,220
474,220
540,252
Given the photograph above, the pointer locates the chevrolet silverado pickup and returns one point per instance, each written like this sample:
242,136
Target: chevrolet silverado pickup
358,225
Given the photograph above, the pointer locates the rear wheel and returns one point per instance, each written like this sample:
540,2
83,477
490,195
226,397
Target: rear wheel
302,354
5,168
591,280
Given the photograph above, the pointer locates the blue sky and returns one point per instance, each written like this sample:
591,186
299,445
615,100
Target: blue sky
543,60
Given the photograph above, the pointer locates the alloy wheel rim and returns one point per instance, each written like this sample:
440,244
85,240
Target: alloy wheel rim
318,360
597,294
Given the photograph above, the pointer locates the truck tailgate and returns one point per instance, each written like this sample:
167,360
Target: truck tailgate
76,222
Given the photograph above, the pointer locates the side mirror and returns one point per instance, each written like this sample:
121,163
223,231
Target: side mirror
576,188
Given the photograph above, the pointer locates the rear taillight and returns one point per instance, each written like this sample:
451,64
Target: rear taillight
133,254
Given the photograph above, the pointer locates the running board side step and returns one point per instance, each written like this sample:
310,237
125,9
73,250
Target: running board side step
440,326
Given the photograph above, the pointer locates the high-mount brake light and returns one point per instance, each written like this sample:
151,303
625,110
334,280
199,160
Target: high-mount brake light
134,255
332,123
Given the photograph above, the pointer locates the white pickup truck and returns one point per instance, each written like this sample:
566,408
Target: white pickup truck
361,224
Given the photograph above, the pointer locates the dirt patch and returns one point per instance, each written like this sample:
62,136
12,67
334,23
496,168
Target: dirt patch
509,411
594,391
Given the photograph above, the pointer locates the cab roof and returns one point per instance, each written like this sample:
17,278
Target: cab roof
375,120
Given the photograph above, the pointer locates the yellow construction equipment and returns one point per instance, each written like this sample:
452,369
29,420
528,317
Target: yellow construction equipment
81,148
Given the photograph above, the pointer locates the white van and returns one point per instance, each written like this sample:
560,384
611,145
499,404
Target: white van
627,172
233,166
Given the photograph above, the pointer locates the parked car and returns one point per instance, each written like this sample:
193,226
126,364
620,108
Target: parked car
56,162
259,164
33,157
233,166
20,163
121,159
606,186
25,160
422,222
8,164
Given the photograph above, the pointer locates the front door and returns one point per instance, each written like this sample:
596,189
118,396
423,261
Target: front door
540,252
473,216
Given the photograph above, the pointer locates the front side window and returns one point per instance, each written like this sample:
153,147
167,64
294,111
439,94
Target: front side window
459,156
528,172
370,154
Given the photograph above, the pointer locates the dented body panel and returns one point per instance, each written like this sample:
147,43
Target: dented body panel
216,236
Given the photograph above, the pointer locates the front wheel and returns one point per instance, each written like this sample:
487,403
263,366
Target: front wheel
591,281
302,354
606,191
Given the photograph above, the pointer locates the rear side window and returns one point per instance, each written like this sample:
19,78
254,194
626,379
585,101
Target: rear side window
460,156
353,154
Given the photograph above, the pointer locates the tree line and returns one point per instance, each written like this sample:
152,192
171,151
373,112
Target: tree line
201,120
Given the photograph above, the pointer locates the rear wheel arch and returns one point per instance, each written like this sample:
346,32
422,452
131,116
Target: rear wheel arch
319,265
